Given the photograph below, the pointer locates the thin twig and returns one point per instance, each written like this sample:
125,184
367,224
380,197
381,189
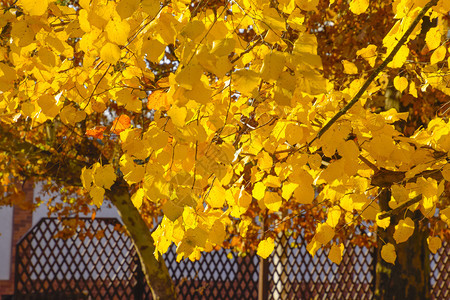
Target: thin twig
401,207
377,71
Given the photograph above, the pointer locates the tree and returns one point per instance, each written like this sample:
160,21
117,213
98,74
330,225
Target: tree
232,120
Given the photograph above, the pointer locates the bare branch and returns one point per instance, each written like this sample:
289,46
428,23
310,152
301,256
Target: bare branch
376,71
397,210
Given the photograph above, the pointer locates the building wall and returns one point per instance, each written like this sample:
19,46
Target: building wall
15,222
21,223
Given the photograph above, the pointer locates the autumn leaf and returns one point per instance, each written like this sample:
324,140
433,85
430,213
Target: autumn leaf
110,53
336,253
388,253
434,243
438,55
158,100
349,67
96,132
403,230
120,124
359,6
243,113
265,247
400,83
34,7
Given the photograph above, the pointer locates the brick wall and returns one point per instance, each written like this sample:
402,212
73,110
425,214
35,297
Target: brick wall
22,221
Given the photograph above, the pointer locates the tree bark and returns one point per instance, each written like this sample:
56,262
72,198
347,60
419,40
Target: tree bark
156,273
409,278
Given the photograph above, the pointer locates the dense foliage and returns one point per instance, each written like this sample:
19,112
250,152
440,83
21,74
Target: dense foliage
232,119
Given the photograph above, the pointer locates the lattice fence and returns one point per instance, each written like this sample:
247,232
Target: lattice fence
294,274
107,267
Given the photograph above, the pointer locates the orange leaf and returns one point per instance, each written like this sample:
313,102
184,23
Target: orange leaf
120,124
157,100
96,132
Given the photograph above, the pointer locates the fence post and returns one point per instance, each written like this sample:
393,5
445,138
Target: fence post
280,289
263,282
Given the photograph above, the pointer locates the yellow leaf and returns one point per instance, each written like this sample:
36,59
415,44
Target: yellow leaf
242,204
445,215
259,190
359,6
223,47
324,233
412,89
313,246
200,92
50,106
137,198
307,5
333,216
120,124
287,189
349,67
243,226
154,50
132,172
216,196
336,253
346,202
272,181
438,55
272,19
272,66
296,19
126,8
273,201
193,238
245,81
150,7
178,115
110,53
304,194
70,115
392,115
97,193
388,253
104,176
403,230
434,243
34,7
369,54
293,134
172,210
265,161
188,76
217,233
189,217
266,247
446,172
118,31
87,178
383,223
433,38
400,57
400,83
158,100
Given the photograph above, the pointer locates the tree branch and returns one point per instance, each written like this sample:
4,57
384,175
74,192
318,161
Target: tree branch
156,272
401,207
376,71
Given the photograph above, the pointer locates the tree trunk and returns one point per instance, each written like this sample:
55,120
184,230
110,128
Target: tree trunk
156,272
409,278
